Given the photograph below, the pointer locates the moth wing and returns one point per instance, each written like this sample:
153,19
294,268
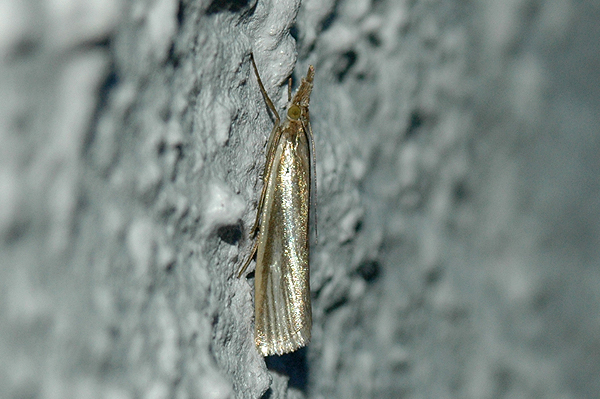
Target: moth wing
283,314
313,183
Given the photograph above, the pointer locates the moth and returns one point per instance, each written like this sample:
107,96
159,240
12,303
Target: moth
282,310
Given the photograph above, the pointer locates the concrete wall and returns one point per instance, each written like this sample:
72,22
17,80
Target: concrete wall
458,207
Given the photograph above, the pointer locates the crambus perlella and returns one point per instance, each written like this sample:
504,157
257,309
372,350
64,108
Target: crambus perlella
282,310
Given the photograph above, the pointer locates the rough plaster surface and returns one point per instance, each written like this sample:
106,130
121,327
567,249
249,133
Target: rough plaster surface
458,210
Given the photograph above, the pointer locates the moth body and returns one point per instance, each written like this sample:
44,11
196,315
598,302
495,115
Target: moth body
282,309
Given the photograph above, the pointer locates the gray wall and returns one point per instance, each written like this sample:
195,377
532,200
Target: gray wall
458,197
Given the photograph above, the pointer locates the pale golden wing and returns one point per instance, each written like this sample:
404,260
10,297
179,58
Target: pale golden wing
283,315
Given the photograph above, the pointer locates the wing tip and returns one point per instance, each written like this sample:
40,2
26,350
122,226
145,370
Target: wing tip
282,346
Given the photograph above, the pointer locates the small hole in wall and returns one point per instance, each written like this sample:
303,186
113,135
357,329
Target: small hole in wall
161,147
111,81
218,6
165,114
336,302
433,276
369,270
231,233
328,21
173,57
345,63
358,226
169,265
416,121
461,192
294,32
374,39
180,13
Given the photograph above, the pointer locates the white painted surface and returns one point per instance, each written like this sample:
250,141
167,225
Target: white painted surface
458,208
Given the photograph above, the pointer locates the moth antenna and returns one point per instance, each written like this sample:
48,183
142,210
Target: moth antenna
313,178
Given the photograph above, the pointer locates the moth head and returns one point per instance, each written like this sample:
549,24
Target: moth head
294,112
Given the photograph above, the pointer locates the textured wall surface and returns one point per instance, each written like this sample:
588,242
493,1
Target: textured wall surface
458,174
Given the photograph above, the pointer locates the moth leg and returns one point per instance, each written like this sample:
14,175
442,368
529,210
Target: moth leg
273,141
272,145
264,92
289,90
247,262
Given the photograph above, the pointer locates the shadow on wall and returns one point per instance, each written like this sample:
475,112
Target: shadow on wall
294,365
